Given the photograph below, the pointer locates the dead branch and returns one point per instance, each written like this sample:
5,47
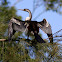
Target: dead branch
2,39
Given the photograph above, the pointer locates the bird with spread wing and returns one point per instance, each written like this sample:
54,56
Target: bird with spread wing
30,26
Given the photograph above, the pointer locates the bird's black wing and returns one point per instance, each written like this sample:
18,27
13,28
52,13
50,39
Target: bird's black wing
16,25
46,27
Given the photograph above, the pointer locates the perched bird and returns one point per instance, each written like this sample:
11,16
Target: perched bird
30,26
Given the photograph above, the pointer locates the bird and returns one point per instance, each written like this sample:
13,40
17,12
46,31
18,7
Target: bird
29,26
32,26
43,25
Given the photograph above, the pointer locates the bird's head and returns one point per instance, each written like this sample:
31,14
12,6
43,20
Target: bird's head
27,10
30,15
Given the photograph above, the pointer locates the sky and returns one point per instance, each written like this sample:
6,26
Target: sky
53,18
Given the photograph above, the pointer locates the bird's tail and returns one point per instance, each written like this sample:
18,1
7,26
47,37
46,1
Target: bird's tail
38,38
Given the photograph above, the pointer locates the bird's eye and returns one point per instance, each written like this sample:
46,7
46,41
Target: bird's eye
24,9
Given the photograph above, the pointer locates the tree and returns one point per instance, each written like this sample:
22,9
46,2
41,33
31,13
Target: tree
18,51
6,13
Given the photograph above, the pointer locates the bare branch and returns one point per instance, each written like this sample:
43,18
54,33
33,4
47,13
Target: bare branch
39,15
2,39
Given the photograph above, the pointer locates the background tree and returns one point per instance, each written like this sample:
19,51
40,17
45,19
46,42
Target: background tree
6,13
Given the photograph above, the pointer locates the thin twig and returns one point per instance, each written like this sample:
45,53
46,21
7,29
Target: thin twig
39,15
33,7
53,34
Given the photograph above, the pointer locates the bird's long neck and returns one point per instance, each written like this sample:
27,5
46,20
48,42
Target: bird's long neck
30,15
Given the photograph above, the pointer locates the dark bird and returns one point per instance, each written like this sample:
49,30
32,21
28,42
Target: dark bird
30,26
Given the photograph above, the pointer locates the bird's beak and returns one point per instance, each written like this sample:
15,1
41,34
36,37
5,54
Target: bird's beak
21,9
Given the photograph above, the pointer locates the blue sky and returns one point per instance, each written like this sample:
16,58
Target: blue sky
53,18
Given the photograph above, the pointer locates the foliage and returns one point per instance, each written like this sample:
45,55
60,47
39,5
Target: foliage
55,5
17,52
6,13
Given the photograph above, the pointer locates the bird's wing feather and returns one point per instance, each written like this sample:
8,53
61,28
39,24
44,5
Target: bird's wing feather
46,27
18,25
